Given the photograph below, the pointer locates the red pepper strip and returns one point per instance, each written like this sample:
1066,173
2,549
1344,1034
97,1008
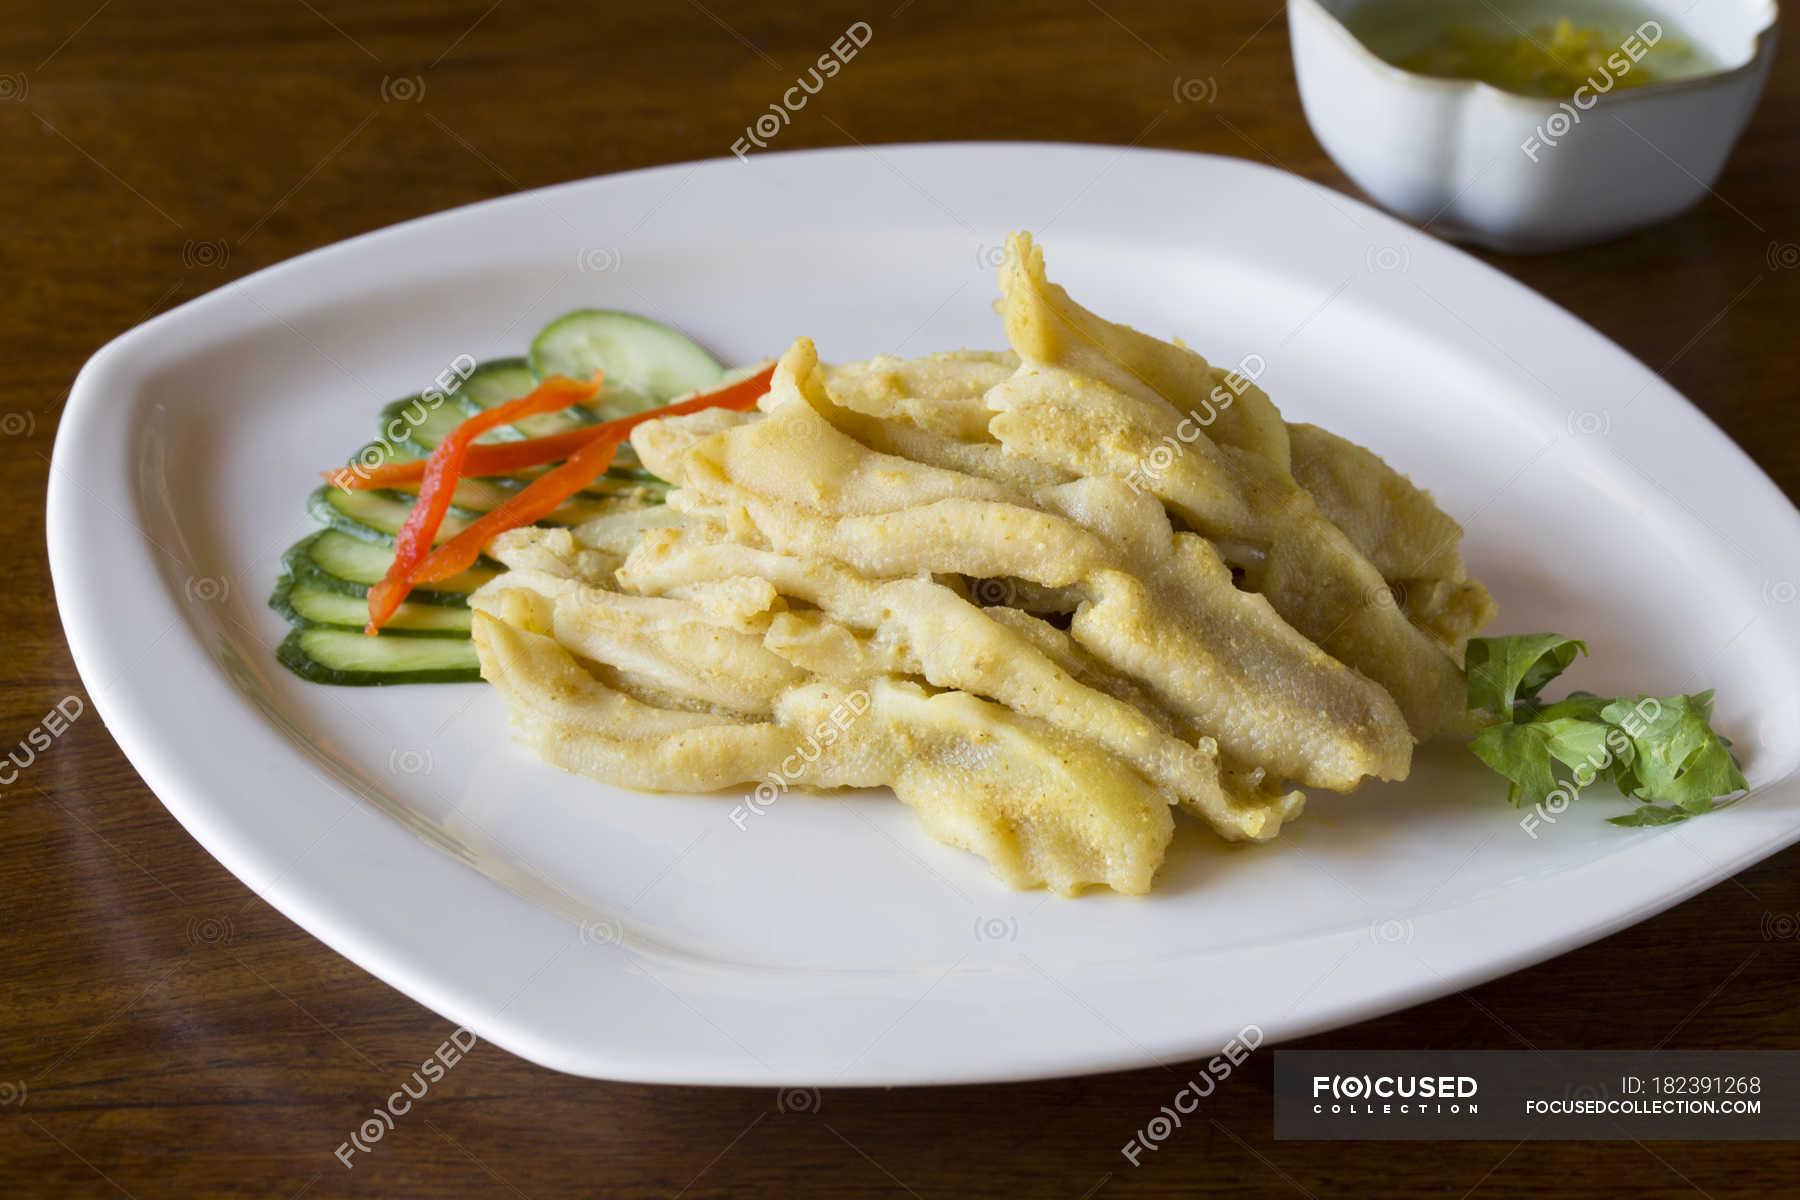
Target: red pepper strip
507,458
486,458
438,483
536,501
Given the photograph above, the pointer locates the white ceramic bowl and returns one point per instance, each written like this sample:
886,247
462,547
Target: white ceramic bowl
1523,174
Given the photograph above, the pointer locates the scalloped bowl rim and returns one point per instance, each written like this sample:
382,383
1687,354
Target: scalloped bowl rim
1758,49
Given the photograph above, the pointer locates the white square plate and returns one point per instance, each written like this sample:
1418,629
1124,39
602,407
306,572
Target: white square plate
827,941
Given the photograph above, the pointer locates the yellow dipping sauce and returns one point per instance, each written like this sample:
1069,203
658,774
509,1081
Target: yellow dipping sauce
1545,49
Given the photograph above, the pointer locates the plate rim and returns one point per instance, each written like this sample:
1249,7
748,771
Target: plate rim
175,789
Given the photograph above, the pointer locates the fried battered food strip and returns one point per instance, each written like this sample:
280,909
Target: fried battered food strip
553,552
1039,806
1045,326
577,723
617,532
915,627
1399,528
1221,655
983,459
1042,808
1175,619
1248,787
930,410
1059,409
671,644
939,393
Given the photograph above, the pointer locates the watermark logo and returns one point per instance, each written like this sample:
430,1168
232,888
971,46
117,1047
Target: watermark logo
214,254
996,929
15,424
760,132
14,86
798,1100
1578,1093
1784,256
1391,932
1617,741
412,415
13,1092
208,589
597,260
602,931
1590,423
40,738
211,931
1780,927
1341,1094
1186,1101
381,1119
1162,456
1385,595
824,735
1387,258
409,762
1559,124
1191,89
403,89
994,592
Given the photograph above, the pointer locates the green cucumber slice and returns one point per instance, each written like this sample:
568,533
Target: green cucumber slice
306,604
412,425
481,496
471,495
377,515
337,562
351,659
495,382
499,380
374,516
487,492
646,363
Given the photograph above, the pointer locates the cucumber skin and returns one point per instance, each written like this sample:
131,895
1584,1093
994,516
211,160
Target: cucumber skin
627,479
320,509
281,602
571,418
292,655
626,399
448,410
319,506
298,561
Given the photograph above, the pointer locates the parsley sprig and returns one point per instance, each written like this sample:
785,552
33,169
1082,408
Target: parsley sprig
1659,751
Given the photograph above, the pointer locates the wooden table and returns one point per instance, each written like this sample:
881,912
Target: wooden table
165,1033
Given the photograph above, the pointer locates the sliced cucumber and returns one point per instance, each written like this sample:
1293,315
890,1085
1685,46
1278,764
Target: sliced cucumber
502,379
374,516
645,363
337,562
483,494
480,496
411,428
377,515
471,495
412,425
495,382
324,590
305,603
344,657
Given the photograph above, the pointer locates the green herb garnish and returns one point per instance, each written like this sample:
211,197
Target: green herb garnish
1659,751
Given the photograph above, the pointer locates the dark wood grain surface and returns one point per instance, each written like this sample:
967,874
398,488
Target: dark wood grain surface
164,1033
